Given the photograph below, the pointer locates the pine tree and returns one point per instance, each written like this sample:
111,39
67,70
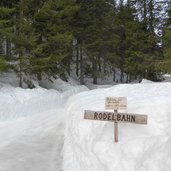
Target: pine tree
124,20
52,23
23,38
126,31
92,27
143,48
166,63
6,11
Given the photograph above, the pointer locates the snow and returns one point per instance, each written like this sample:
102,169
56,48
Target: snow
44,130
31,127
59,84
146,81
8,79
89,145
167,77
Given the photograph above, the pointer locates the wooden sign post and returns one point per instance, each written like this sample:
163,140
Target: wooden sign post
116,128
115,103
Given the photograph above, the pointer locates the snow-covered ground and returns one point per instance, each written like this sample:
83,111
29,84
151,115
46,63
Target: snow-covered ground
32,125
89,145
44,130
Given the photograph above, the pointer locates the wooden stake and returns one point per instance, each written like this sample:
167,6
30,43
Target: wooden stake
116,128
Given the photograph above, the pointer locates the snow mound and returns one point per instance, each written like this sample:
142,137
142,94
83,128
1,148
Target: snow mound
59,84
146,81
167,75
97,86
89,145
18,102
9,78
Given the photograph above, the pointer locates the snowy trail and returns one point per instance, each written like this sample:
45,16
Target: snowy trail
32,144
31,128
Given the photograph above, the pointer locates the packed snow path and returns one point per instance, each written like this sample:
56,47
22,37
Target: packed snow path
33,143
31,128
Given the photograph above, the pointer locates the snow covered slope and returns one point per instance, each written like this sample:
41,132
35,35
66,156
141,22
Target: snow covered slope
89,145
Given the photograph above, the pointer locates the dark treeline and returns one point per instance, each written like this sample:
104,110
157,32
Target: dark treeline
52,37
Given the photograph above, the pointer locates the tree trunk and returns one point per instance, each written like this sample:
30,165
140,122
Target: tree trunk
130,77
81,66
122,76
94,70
114,75
39,76
8,48
127,78
20,70
145,12
77,60
99,65
151,23
104,66
69,66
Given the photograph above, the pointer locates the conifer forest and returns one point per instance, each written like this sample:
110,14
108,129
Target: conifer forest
87,38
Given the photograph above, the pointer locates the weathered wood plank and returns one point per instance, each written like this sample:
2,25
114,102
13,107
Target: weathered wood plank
119,117
116,128
115,103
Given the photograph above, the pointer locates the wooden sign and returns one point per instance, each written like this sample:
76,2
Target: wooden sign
115,117
116,103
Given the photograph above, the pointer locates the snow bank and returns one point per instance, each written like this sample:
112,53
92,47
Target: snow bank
167,77
31,127
9,78
97,86
89,145
59,84
146,81
17,102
